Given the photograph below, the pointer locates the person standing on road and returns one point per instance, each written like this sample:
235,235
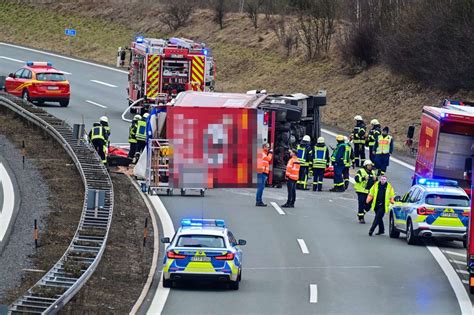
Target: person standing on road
372,138
348,162
263,168
292,175
358,138
381,195
364,180
337,160
141,133
320,162
304,154
98,138
132,136
383,149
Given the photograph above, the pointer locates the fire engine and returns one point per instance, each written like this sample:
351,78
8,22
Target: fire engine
162,68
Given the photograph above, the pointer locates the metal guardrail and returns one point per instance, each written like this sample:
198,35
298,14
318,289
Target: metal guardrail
70,273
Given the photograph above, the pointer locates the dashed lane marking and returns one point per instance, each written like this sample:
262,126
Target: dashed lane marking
303,246
104,83
313,293
12,59
277,208
96,104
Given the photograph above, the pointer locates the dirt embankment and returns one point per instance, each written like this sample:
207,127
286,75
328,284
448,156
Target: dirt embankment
247,58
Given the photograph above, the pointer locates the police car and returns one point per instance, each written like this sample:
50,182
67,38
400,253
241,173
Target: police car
431,209
203,249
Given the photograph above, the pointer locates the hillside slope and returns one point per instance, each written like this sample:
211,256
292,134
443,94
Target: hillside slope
247,59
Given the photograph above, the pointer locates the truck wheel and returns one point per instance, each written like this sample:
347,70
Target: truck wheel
392,229
25,96
411,238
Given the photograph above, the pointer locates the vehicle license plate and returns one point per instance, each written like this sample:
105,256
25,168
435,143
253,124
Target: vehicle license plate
449,214
53,88
201,258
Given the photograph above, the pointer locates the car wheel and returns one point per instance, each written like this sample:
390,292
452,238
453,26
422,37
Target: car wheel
411,238
240,276
392,229
64,103
167,283
25,96
234,285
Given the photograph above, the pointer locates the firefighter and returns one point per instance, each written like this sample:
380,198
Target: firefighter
320,162
372,136
304,154
348,161
104,121
383,149
141,133
381,195
364,180
292,174
358,138
263,168
98,138
337,160
132,136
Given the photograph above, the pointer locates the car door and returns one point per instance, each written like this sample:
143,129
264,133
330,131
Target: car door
233,242
402,209
12,84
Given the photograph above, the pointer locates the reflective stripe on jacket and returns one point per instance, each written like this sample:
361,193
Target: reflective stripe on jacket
293,168
321,157
372,137
358,135
97,132
141,130
303,155
347,155
383,144
362,180
263,162
389,194
132,133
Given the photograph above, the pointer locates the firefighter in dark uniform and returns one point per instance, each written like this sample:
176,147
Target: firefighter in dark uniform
141,133
358,138
337,160
98,137
364,180
132,136
320,162
104,121
348,162
372,136
304,155
383,149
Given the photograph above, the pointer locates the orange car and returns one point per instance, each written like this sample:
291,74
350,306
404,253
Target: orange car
39,82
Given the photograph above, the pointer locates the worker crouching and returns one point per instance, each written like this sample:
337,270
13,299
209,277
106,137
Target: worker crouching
99,138
292,175
364,180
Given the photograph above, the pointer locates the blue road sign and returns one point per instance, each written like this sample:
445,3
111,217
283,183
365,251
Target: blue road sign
70,32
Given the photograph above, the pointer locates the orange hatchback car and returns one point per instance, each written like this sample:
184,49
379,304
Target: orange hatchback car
39,82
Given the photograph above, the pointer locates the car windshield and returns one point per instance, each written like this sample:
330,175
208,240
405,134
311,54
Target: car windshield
447,200
200,241
50,77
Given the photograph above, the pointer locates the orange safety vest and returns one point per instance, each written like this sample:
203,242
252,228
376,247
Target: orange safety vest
293,168
263,163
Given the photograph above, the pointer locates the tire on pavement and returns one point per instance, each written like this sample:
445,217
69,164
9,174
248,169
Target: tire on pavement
412,239
392,229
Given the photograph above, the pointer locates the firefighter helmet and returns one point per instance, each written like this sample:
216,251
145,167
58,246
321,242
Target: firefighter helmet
137,117
104,119
307,138
358,117
374,122
368,162
320,140
339,138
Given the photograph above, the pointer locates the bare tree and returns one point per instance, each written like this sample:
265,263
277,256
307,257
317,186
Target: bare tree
252,8
177,13
284,31
220,9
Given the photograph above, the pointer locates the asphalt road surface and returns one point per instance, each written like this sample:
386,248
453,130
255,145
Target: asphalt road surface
314,258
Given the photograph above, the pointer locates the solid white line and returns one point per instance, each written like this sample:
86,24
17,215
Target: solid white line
66,58
277,208
12,59
458,288
161,295
103,83
303,246
8,201
313,293
96,104
454,253
464,272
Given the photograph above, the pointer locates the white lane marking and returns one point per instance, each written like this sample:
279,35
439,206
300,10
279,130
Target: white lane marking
461,294
64,57
161,294
464,272
313,267
12,59
104,83
313,293
277,208
303,246
8,201
65,72
454,253
458,262
96,104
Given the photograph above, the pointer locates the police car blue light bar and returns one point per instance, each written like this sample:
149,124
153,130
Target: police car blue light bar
139,39
203,222
433,183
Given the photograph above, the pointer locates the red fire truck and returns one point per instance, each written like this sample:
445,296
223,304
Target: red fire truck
446,144
161,68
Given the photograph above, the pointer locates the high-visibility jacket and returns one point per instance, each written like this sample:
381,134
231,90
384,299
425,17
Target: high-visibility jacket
141,130
320,156
106,128
348,154
373,135
363,180
337,157
304,155
97,132
384,144
263,162
132,133
358,134
293,168
389,194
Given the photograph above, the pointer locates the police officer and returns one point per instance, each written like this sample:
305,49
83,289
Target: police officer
364,180
358,138
320,162
337,160
381,195
132,136
141,133
263,168
383,149
304,154
292,175
372,137
348,161
98,137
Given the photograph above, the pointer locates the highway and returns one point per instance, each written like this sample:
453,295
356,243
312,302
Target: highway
314,258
